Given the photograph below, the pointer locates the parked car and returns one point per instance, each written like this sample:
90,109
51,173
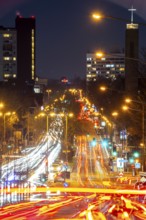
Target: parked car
140,185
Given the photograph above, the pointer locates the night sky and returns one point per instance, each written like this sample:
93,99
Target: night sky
65,31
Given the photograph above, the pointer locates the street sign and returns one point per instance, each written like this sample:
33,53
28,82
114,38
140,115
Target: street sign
120,162
123,161
137,165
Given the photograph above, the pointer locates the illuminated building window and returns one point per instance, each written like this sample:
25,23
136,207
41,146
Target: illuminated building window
32,53
6,75
6,35
132,26
6,58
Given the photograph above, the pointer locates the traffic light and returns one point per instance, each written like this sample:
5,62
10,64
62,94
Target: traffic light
95,124
65,184
136,154
131,160
114,150
105,142
110,145
93,142
43,177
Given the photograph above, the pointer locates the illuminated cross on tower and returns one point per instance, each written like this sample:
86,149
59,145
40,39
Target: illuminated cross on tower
132,10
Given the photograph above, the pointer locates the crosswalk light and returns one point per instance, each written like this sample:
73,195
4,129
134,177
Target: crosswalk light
136,154
114,150
114,153
131,160
95,124
43,177
94,142
104,142
65,184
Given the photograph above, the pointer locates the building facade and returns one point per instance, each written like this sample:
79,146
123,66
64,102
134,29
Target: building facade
17,51
25,49
8,53
131,58
107,66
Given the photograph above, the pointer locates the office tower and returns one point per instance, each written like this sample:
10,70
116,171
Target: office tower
108,66
17,51
8,54
25,49
131,56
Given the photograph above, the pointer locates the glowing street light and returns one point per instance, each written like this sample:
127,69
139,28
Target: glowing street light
50,114
125,107
99,54
97,16
1,105
142,110
115,114
68,115
47,115
128,100
103,88
4,115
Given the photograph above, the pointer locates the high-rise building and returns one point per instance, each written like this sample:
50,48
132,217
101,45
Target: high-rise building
17,51
131,56
107,66
25,49
8,53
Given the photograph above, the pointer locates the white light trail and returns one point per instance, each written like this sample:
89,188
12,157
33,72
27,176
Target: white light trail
33,161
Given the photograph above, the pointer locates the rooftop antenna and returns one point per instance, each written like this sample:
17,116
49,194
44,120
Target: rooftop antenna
132,10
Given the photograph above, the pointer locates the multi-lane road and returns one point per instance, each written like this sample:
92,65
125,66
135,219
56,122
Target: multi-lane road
77,205
90,194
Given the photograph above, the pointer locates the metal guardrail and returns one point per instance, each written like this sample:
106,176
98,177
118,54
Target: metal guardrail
11,156
142,174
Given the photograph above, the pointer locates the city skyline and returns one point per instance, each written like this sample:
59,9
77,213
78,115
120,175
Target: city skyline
65,31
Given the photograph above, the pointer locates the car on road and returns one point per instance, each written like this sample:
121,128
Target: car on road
141,184
58,178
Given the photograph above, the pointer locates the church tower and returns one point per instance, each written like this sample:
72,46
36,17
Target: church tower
131,56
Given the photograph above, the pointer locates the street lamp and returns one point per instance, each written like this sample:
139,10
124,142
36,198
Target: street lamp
68,115
97,16
103,88
6,114
142,110
115,114
47,114
132,63
1,105
128,100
